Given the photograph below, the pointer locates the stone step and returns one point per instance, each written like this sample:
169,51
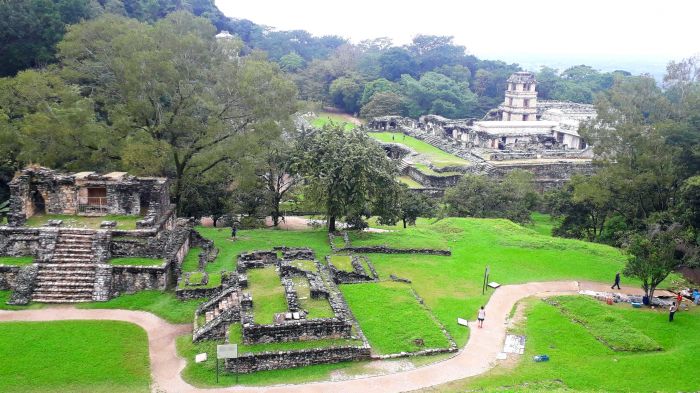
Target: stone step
64,286
73,258
73,277
61,298
65,266
67,292
71,254
74,241
77,248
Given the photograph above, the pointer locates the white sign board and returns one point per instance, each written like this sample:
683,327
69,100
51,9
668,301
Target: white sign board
200,357
494,284
229,351
462,322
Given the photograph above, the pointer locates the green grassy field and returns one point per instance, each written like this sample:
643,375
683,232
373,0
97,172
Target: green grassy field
342,262
317,308
162,304
196,278
438,157
191,261
393,329
328,117
136,261
409,182
268,294
73,356
73,221
582,363
260,239
542,223
16,261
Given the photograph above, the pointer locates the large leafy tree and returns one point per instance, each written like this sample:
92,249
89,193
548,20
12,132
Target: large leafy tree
652,258
347,174
173,89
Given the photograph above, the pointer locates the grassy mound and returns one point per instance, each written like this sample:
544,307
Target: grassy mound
136,261
73,356
392,318
436,156
604,324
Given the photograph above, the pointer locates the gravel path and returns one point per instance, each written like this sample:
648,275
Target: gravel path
477,357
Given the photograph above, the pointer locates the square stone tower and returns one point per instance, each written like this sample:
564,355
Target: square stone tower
521,98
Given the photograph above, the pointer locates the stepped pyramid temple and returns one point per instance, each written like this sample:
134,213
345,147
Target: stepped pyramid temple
522,133
76,227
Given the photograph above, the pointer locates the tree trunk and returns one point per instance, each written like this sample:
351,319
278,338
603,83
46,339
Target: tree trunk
331,224
404,223
276,212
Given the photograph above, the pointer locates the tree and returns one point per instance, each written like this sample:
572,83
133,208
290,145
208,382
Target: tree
651,259
291,62
275,173
384,104
345,93
437,94
395,62
176,86
347,174
415,204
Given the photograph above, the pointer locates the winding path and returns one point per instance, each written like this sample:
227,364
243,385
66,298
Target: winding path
477,357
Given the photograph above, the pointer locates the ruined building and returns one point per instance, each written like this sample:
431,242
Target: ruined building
522,133
74,226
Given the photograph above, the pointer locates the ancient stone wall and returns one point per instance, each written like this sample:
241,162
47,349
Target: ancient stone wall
131,279
247,362
8,277
296,330
387,250
17,242
433,181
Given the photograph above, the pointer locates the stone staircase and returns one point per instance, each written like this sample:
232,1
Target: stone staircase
69,276
229,301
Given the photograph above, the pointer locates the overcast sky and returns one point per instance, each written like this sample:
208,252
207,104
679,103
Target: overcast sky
661,29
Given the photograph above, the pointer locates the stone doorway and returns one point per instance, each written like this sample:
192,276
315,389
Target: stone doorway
38,203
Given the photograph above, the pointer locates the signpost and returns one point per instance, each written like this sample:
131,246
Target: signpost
486,279
228,351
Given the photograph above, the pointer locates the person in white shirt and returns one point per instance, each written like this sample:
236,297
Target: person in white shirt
481,317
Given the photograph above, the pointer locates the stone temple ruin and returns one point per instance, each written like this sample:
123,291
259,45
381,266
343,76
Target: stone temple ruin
70,254
523,133
233,315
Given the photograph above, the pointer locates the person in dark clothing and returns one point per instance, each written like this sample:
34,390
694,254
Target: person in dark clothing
617,281
672,310
233,231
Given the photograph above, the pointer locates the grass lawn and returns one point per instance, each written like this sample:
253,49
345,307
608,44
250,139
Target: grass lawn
303,264
162,304
342,262
16,261
268,294
260,239
136,261
438,157
542,223
328,117
191,261
74,221
196,278
409,182
411,237
392,318
5,296
317,308
583,363
73,356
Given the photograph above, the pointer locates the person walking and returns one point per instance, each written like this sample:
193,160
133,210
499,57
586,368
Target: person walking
481,316
617,281
233,231
671,311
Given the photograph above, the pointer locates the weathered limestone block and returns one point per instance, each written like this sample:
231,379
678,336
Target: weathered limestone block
24,285
247,362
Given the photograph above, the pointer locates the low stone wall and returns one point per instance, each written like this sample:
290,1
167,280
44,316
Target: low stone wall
131,279
358,275
296,330
196,293
248,362
387,250
17,242
8,277
432,181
